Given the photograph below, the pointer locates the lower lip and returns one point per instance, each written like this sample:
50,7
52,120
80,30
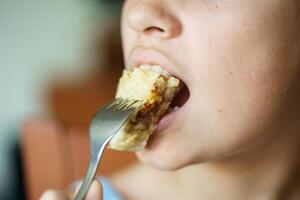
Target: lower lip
166,120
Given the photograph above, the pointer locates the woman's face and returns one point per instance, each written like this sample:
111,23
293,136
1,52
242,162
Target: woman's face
240,61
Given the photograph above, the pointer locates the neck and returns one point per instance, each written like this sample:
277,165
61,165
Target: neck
268,172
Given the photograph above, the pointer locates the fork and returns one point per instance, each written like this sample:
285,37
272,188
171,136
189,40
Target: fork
103,126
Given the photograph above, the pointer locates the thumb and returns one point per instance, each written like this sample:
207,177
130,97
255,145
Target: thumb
95,191
54,195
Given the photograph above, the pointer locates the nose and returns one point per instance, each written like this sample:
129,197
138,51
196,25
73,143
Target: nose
153,20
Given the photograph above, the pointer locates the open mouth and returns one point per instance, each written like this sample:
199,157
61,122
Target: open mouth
180,97
161,94
176,99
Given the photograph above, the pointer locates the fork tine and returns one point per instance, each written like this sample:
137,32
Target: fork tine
118,105
112,104
122,104
127,105
122,107
133,104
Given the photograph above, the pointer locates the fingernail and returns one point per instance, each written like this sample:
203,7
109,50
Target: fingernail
54,194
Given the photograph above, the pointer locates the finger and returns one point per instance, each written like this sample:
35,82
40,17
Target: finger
54,195
73,188
95,191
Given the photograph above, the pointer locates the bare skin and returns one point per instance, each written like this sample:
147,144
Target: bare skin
272,174
238,135
95,192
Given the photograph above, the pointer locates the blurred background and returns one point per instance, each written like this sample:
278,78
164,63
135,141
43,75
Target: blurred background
59,62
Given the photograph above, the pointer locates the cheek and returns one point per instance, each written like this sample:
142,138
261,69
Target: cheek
233,111
238,76
232,117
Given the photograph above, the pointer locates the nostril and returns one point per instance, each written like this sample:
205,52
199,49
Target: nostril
153,19
152,29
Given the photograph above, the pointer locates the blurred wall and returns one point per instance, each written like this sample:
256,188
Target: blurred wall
37,39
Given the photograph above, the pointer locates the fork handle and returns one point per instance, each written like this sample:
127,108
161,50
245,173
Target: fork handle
93,165
96,154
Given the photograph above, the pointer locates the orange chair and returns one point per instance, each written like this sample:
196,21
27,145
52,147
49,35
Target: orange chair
55,155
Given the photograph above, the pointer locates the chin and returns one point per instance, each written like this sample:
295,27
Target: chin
169,161
169,151
165,154
162,162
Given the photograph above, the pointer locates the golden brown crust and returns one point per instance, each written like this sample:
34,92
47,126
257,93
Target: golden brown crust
156,91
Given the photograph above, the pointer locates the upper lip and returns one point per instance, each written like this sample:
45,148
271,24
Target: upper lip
142,55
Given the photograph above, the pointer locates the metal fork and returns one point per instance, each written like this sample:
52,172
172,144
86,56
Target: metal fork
104,125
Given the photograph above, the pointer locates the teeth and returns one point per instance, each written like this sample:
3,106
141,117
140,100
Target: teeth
155,68
161,70
175,108
170,110
145,66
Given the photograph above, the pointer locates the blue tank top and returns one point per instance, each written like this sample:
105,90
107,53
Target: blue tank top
109,193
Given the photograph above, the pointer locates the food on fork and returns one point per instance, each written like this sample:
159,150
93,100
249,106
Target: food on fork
155,87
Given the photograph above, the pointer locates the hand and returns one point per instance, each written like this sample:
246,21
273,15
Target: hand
94,193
